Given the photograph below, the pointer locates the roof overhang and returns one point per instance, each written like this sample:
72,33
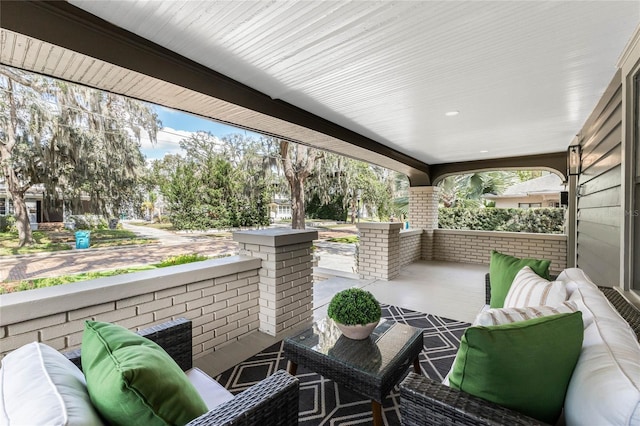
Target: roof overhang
63,41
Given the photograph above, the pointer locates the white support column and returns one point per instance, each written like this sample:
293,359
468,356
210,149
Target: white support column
423,214
286,275
379,250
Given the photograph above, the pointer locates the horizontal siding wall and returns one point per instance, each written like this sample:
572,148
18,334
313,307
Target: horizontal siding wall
475,246
220,297
599,190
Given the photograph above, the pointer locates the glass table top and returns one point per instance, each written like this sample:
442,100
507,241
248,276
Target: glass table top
380,351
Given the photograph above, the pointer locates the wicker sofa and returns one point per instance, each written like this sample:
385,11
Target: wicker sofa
425,401
273,401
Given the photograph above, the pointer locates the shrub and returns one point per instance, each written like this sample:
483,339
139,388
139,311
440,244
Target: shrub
550,221
181,260
539,220
7,223
89,221
354,306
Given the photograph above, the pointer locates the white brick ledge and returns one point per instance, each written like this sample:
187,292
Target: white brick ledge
410,232
31,304
503,234
379,225
275,237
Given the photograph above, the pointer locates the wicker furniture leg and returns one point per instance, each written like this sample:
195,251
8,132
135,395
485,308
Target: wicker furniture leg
292,367
416,366
376,409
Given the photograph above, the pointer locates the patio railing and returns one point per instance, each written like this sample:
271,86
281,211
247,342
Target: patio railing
475,246
267,288
385,248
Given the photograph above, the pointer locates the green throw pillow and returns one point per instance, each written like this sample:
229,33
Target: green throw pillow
133,381
504,268
525,366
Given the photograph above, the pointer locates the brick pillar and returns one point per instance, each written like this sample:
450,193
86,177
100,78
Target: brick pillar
423,214
379,250
286,280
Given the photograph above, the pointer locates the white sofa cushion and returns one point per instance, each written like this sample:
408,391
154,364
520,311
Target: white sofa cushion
605,385
529,289
40,386
212,392
508,315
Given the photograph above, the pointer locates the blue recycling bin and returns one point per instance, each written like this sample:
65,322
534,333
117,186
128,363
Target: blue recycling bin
83,239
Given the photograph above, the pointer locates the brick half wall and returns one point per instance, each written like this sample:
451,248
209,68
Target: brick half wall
475,246
410,246
220,297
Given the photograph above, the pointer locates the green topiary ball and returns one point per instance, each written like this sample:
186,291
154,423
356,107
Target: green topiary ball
354,306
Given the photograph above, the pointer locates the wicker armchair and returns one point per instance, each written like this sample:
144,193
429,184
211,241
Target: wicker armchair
424,401
273,401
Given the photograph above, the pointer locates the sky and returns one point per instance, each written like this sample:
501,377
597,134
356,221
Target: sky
177,125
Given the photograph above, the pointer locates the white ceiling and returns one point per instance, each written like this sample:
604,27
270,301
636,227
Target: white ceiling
524,75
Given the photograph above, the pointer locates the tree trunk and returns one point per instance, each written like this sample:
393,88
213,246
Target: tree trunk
11,179
17,196
298,167
297,204
352,205
22,219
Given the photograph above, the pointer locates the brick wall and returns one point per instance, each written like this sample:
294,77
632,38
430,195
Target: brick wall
379,251
410,246
423,207
475,246
423,214
286,276
219,296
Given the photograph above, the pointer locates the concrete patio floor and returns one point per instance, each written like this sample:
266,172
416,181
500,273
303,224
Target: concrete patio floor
451,290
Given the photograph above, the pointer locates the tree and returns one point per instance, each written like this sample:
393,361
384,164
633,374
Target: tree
356,183
73,140
228,179
298,162
149,205
466,190
182,192
201,147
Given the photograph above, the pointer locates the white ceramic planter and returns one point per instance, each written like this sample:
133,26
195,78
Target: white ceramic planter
357,332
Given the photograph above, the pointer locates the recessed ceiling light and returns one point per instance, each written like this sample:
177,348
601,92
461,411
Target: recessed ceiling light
484,151
451,113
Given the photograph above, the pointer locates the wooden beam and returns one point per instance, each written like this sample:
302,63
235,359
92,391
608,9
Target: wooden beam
555,162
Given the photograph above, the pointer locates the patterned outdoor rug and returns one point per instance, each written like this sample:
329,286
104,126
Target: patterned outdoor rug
323,402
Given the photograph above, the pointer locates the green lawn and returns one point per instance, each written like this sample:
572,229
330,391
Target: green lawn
49,241
167,226
85,276
350,239
43,243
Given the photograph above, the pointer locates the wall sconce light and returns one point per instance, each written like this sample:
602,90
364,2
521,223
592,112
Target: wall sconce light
574,161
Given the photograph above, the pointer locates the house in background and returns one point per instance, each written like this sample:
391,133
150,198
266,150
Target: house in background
280,207
539,192
38,213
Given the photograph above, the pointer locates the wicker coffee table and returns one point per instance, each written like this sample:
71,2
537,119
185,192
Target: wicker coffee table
370,367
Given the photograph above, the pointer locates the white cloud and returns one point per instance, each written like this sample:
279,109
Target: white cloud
168,142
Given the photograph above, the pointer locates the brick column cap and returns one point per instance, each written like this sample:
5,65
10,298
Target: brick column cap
380,225
275,237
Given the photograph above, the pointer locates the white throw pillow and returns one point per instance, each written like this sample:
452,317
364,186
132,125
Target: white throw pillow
40,386
529,289
499,316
